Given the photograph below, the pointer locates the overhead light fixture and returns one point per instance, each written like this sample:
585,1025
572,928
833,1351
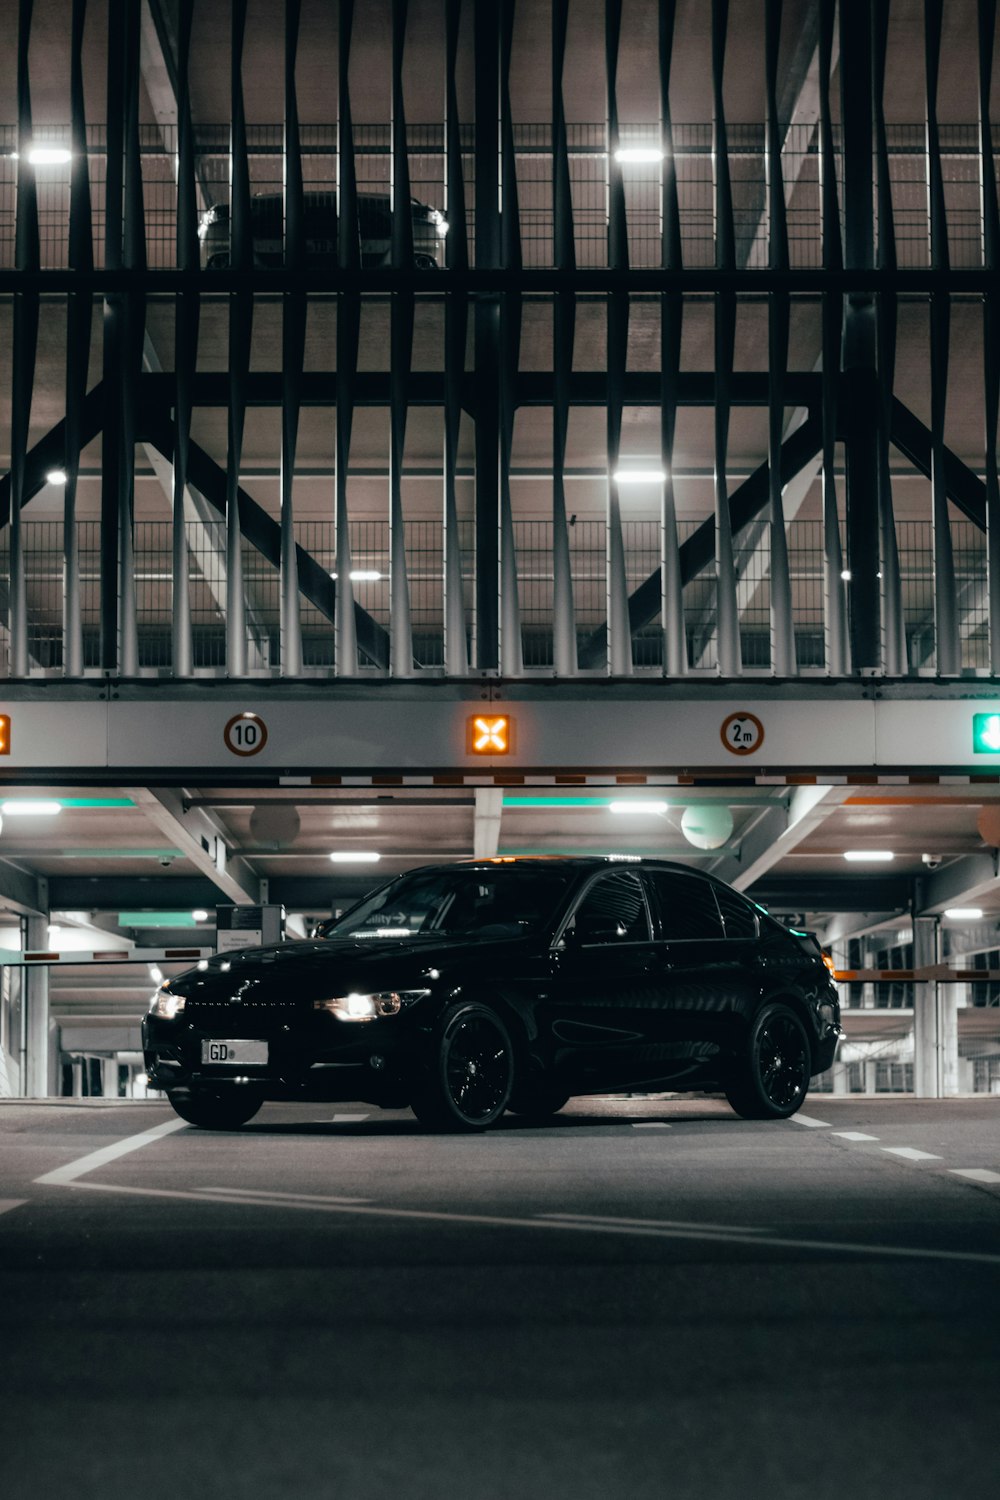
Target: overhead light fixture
199,914
963,913
628,155
845,575
29,807
639,476
634,805
156,973
355,857
876,856
56,476
362,575
49,156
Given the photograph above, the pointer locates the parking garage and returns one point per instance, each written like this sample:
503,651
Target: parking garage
433,432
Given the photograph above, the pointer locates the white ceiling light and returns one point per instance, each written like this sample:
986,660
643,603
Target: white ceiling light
355,857
963,913
199,914
49,156
56,476
633,805
28,807
845,574
630,154
876,856
362,575
639,476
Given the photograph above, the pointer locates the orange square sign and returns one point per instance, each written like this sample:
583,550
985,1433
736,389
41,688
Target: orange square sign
4,734
489,734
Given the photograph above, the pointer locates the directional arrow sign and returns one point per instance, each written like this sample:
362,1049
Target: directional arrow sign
986,734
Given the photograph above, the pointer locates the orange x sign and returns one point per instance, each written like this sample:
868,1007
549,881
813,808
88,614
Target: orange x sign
490,734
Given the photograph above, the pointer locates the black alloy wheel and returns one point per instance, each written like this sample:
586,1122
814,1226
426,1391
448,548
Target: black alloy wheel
771,1079
216,1111
469,1078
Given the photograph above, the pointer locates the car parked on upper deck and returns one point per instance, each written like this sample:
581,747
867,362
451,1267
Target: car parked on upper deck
468,989
267,221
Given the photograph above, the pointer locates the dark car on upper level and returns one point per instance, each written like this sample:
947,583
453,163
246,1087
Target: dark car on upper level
267,228
468,989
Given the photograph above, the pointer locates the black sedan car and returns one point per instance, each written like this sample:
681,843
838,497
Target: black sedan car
465,990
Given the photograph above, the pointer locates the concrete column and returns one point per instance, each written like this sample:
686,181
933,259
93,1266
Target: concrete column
935,1020
38,1082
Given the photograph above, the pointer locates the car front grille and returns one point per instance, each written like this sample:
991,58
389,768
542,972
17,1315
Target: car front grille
247,1018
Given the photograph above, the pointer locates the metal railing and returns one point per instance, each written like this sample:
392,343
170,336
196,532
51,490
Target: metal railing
589,176
370,554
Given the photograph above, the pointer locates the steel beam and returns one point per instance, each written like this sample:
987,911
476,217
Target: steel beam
779,831
202,839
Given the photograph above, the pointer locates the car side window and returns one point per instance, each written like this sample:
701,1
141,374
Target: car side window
687,905
737,913
612,911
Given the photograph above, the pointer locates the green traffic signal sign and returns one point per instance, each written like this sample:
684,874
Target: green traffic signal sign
986,734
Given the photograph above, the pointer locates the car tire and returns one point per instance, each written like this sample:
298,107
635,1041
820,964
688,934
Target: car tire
216,1111
770,1080
470,1073
539,1100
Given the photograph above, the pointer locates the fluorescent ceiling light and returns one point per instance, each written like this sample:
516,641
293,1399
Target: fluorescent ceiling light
963,913
200,914
355,857
49,156
845,575
633,805
362,575
56,476
638,476
27,807
878,856
628,154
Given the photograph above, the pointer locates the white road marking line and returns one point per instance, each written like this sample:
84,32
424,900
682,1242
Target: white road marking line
808,1120
497,1221
650,1125
6,1204
257,1193
911,1153
655,1223
977,1174
855,1135
62,1176
347,1119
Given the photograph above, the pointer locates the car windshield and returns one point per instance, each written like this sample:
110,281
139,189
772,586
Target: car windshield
497,901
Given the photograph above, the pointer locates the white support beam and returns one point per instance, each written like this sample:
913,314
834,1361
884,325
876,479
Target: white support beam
486,823
779,831
21,891
959,884
203,840
852,924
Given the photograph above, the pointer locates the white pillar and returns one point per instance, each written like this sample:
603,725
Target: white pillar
935,1020
38,1070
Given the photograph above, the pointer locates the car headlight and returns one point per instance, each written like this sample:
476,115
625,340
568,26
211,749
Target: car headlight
355,1007
166,1005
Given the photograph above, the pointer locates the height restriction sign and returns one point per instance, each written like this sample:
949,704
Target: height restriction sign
742,734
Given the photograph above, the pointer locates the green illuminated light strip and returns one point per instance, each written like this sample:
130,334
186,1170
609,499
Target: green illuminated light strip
122,852
157,919
95,801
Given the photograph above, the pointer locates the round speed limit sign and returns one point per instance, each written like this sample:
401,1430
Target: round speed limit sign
742,734
245,734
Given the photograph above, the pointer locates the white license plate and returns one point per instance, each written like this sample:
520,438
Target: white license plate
236,1051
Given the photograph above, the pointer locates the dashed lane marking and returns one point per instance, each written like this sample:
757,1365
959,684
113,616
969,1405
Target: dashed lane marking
975,1174
911,1153
63,1176
572,1225
258,1193
808,1120
684,1224
855,1135
347,1119
650,1125
6,1204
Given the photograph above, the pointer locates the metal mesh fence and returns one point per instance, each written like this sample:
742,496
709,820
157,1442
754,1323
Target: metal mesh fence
589,176
42,542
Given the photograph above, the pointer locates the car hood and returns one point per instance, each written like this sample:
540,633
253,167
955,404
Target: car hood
352,963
